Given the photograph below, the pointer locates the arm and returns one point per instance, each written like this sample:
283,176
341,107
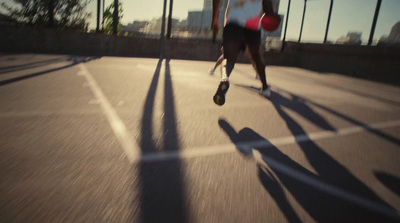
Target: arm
214,22
268,8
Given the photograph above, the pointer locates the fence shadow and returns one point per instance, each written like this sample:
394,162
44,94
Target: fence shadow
161,184
73,61
35,64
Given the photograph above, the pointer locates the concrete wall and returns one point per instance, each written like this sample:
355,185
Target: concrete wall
77,43
371,62
13,39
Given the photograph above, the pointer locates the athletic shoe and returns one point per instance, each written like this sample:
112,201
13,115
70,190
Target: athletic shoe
219,97
212,71
266,93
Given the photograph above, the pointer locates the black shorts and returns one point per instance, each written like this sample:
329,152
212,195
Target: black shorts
242,47
242,36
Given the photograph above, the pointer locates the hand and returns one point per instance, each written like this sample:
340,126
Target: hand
272,14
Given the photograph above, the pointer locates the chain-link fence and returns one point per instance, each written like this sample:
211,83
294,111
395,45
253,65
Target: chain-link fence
362,22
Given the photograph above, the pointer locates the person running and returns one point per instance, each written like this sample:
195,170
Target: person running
242,25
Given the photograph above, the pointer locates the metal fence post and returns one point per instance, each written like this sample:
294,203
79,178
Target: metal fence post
171,2
162,35
371,35
102,21
286,24
328,22
98,16
302,20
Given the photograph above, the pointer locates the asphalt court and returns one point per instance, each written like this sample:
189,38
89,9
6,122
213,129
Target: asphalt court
161,111
131,149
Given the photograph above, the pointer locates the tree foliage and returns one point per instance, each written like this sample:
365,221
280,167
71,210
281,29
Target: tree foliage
64,14
109,18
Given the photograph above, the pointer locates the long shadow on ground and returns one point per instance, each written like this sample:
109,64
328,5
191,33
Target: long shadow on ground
338,195
161,184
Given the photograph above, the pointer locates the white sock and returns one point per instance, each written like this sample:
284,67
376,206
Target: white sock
223,71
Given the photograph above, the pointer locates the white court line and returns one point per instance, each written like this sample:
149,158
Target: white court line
131,149
247,146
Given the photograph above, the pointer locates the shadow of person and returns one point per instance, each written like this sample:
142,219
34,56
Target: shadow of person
298,105
269,182
272,185
338,114
327,168
322,201
390,181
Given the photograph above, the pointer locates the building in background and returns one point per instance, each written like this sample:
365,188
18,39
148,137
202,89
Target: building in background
353,38
135,26
200,21
207,5
393,38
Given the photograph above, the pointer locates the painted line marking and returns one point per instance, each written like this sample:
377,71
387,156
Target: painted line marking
247,146
131,149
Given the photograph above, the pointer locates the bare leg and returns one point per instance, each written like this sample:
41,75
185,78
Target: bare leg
251,59
259,64
231,51
232,41
219,61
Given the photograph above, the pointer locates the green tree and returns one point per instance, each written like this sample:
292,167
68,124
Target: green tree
108,18
63,14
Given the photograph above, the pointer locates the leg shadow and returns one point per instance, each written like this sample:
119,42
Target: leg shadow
342,116
327,168
269,182
321,204
391,182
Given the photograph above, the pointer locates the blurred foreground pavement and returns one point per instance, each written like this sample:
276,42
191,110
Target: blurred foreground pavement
109,139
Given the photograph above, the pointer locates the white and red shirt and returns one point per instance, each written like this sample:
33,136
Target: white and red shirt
245,13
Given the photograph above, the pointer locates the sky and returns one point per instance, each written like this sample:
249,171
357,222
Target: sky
138,10
347,16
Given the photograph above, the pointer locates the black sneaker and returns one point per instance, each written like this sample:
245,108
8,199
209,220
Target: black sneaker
219,97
